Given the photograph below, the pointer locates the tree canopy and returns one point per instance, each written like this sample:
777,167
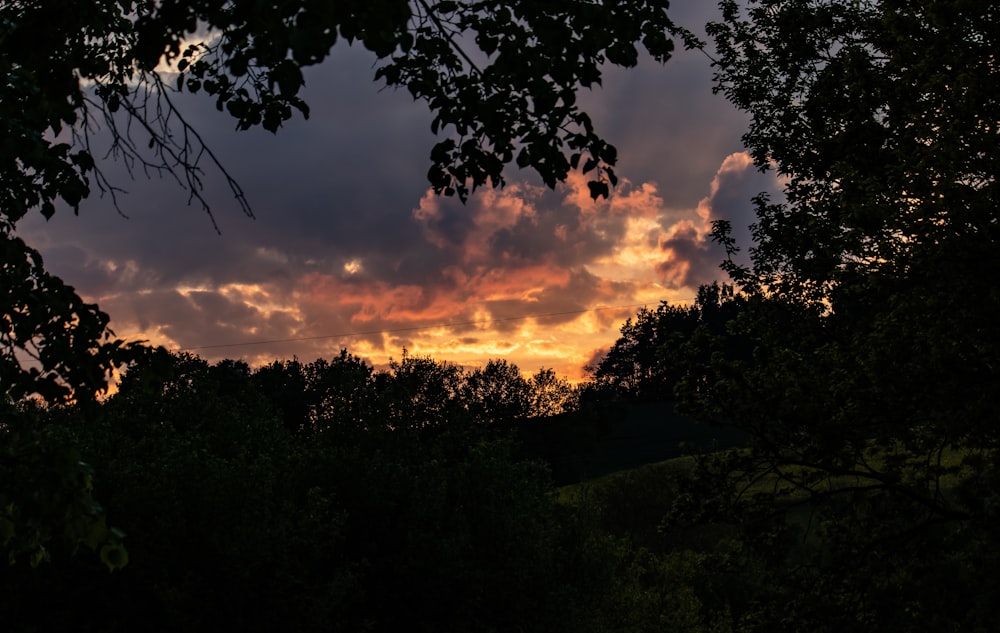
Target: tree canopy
867,389
883,117
500,77
236,515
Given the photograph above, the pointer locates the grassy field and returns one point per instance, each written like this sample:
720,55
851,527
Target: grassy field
634,501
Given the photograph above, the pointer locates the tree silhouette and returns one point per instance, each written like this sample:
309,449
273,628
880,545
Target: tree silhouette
497,392
866,314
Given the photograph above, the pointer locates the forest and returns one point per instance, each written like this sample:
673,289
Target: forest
840,462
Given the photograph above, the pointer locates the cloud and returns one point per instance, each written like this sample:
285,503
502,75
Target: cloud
690,258
523,272
349,249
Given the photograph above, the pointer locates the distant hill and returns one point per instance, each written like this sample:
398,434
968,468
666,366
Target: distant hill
589,444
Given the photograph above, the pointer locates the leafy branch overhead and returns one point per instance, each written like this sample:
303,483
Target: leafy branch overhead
500,78
52,343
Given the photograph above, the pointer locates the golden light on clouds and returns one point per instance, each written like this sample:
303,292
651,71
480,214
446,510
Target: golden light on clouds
352,267
350,250
542,279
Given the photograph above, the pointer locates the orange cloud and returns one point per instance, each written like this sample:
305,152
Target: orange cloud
542,278
688,256
493,210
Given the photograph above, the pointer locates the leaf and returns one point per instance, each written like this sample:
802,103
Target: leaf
84,160
288,76
97,534
523,158
610,154
272,120
598,189
114,556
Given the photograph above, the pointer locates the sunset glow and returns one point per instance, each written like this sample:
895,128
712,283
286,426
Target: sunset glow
555,305
350,250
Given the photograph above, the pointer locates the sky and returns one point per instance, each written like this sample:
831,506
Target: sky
348,248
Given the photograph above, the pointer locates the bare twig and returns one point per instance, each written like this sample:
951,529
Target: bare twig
177,147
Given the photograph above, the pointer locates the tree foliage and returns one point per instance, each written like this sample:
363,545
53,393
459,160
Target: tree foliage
498,392
883,116
630,368
868,365
500,78
237,519
551,395
651,357
52,343
47,503
866,280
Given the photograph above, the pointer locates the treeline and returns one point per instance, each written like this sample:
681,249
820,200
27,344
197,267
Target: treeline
305,496
319,496
326,495
330,495
346,391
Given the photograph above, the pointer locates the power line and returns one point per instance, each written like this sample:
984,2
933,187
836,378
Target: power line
404,329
